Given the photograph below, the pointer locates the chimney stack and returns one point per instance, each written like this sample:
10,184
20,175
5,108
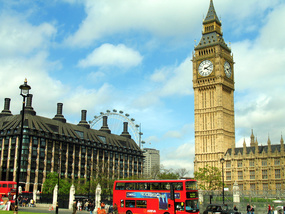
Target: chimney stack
59,115
125,133
105,127
6,111
29,109
83,121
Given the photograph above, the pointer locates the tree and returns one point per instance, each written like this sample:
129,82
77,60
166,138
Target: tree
155,170
182,172
167,174
209,178
52,180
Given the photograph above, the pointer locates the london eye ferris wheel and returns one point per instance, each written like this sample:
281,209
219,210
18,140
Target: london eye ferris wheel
115,124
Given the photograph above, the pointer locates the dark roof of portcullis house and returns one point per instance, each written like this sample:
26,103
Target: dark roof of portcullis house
58,128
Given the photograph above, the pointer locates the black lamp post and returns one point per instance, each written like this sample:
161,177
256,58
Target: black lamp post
58,170
25,88
89,173
222,162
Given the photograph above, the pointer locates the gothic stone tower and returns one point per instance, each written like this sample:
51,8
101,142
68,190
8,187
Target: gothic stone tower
213,83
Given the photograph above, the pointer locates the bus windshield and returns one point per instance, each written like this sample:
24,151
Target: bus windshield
191,205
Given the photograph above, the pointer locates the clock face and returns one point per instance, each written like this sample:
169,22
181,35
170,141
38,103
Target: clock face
228,69
205,68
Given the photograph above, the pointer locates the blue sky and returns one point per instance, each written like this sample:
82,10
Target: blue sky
135,56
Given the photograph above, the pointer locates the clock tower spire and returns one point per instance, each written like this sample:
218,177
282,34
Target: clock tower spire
213,84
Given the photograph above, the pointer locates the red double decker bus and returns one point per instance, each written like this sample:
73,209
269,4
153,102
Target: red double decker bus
8,188
156,197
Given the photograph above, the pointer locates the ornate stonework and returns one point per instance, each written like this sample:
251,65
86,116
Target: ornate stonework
213,83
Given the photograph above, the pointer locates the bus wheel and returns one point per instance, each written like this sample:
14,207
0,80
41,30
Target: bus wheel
166,213
129,212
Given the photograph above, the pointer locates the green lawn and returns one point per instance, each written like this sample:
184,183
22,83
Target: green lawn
19,212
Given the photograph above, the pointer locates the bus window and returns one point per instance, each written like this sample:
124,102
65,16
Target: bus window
142,186
154,186
191,185
4,185
130,186
192,205
120,186
164,186
141,204
178,186
130,203
122,203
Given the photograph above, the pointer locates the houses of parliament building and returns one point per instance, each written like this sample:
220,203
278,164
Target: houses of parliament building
254,167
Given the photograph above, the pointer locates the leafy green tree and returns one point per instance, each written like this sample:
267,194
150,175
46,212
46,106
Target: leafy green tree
64,186
168,175
52,180
209,178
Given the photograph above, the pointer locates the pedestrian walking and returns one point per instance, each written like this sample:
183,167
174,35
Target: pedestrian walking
247,209
269,209
115,209
91,207
252,209
74,206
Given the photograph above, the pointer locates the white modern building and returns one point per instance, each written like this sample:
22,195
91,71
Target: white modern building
151,161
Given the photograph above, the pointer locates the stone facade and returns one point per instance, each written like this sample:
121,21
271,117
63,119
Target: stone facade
213,94
254,168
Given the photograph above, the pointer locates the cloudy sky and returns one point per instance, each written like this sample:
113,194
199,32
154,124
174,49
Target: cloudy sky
135,56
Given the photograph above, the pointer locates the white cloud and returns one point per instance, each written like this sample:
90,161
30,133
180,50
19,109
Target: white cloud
110,55
259,77
163,18
180,82
180,157
17,36
158,17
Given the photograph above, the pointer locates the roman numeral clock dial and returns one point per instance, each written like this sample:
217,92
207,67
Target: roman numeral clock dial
205,68
228,69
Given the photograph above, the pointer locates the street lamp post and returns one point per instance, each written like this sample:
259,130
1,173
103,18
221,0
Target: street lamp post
222,162
89,173
25,88
58,167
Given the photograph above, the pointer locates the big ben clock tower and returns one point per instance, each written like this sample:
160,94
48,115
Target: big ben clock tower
213,83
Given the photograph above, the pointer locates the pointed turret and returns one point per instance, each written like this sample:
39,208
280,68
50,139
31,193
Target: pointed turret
256,146
244,147
212,30
211,15
269,145
282,143
252,138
